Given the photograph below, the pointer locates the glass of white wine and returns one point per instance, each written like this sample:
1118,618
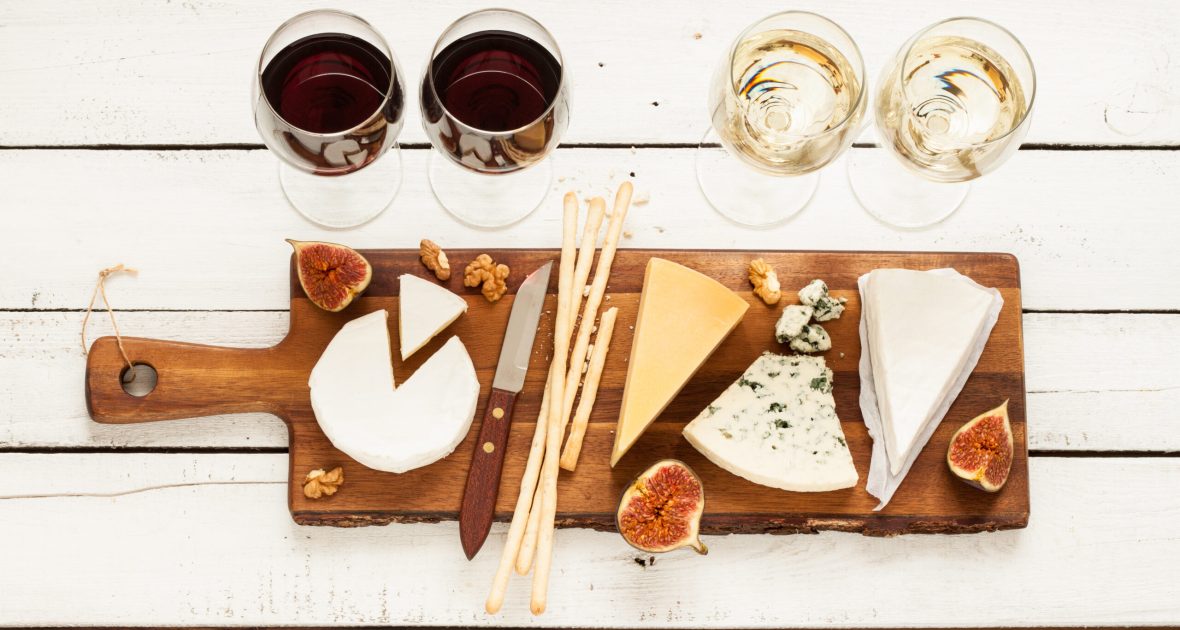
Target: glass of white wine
786,100
952,105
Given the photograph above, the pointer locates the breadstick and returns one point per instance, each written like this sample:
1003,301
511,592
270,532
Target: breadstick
573,444
586,254
548,404
549,471
528,485
556,426
597,290
528,550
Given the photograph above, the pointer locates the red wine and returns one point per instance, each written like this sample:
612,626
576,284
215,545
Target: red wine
496,80
327,83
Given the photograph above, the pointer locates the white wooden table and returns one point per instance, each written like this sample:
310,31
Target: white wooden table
127,137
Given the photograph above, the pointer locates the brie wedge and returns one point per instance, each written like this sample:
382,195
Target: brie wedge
922,329
385,429
424,309
777,426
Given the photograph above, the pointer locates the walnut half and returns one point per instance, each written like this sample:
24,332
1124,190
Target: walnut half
435,259
765,282
318,483
483,270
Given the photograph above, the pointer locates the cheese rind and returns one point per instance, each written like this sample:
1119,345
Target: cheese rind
683,317
922,328
359,411
777,426
424,309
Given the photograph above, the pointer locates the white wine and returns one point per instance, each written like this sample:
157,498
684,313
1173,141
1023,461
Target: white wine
944,109
789,103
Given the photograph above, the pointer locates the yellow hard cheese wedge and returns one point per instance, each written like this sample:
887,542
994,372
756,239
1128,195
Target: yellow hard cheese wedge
683,317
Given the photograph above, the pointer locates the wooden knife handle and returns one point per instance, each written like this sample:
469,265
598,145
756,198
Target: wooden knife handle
192,380
483,478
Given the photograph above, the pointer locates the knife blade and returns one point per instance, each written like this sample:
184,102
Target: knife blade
483,478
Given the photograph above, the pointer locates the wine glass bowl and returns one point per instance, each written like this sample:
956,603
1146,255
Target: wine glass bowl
329,100
786,100
495,103
954,103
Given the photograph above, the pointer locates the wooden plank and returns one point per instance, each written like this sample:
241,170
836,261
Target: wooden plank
1125,402
137,71
206,228
205,540
199,380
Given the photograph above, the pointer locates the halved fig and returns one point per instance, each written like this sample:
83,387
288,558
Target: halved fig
331,275
981,450
661,510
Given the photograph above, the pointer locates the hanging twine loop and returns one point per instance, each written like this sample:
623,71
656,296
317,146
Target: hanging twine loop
100,288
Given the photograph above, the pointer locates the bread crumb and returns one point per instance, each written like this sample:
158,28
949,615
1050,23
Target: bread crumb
641,198
696,35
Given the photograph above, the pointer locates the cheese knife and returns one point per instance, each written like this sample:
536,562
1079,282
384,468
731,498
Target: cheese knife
483,478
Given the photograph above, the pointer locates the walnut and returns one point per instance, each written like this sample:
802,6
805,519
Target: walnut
765,282
483,270
318,483
435,259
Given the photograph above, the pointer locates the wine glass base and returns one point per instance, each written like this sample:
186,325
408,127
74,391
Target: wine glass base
744,195
898,197
489,201
344,201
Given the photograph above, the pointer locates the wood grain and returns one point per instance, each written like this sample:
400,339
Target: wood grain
218,220
483,474
930,501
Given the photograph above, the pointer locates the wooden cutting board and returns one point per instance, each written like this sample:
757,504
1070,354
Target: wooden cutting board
197,380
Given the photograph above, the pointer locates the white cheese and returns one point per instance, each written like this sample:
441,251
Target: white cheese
791,322
777,426
359,411
922,329
813,338
424,309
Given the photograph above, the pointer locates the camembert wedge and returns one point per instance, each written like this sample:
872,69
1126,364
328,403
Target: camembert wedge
777,426
923,328
683,316
359,411
424,309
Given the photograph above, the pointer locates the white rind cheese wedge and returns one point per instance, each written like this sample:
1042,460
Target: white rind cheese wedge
922,328
777,426
391,430
683,316
424,309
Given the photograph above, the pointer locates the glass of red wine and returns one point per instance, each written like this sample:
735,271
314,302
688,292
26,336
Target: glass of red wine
328,101
495,103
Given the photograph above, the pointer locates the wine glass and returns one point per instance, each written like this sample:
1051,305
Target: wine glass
953,104
495,103
328,101
786,100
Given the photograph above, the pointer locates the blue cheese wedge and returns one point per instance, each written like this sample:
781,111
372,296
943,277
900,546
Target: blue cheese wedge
813,338
792,321
777,426
816,296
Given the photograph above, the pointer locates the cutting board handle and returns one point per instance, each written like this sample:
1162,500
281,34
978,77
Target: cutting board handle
192,380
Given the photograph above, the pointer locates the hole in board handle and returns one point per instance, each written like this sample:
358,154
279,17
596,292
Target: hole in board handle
139,380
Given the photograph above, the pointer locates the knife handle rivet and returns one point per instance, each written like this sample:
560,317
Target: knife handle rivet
488,447
497,413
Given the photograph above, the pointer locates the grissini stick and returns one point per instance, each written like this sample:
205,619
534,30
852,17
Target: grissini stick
573,444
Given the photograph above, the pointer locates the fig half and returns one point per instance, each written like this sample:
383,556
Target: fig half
661,510
981,450
331,275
